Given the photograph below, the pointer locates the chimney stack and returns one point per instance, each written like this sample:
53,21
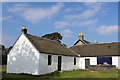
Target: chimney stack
80,36
24,30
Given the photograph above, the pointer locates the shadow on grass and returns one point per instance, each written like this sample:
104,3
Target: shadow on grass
10,76
55,74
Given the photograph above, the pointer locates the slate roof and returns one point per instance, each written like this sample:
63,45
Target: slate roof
83,41
96,50
44,45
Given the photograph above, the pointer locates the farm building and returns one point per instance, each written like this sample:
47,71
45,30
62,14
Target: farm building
97,53
37,56
81,40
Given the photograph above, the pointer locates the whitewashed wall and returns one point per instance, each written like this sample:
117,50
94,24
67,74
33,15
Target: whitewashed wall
43,63
68,63
82,62
23,58
93,61
119,62
116,61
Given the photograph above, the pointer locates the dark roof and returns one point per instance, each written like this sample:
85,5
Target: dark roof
83,41
103,49
44,45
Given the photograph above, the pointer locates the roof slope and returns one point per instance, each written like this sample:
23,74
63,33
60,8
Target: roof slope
103,49
50,46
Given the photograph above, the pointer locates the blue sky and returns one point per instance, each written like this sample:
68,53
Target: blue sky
97,21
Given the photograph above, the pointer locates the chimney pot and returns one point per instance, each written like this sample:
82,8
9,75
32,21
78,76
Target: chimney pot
80,36
24,30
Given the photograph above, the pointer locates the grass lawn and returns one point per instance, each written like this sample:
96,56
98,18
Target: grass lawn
65,74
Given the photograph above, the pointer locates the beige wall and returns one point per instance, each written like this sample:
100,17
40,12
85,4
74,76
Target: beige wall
79,43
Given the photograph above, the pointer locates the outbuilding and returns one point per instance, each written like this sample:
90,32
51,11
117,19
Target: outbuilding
37,56
97,54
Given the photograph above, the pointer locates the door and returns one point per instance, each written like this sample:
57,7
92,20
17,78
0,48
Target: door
59,63
87,63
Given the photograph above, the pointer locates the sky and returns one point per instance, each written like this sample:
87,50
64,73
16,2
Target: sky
97,20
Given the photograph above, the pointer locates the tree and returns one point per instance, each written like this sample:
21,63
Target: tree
2,49
8,50
3,56
53,36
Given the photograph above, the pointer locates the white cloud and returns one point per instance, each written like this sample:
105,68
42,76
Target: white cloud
67,33
106,30
85,18
93,9
88,23
34,15
61,24
17,8
73,9
6,17
94,5
69,9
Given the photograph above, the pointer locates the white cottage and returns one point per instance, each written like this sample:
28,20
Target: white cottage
97,53
37,56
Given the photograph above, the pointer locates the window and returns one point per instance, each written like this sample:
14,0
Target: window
74,61
49,59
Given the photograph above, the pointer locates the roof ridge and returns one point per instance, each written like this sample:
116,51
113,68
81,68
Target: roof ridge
98,44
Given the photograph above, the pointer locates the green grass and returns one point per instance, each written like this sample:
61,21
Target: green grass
65,74
3,68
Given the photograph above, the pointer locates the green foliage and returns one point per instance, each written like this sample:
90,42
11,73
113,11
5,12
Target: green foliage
2,48
53,36
4,59
8,50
